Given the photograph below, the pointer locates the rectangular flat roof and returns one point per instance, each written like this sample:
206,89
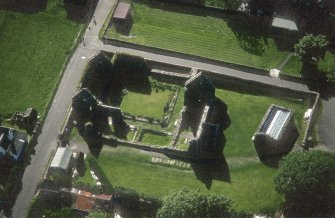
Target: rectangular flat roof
284,24
62,158
121,10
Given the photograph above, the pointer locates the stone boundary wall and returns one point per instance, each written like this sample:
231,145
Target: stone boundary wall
172,153
163,66
244,85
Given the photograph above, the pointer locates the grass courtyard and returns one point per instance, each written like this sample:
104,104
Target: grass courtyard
193,31
143,104
34,48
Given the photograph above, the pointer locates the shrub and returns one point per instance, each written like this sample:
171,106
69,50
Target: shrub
311,48
192,203
307,181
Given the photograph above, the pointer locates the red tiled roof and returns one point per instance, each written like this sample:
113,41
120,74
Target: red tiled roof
83,203
121,10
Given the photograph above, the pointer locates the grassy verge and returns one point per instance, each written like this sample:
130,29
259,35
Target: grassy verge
190,30
34,48
153,139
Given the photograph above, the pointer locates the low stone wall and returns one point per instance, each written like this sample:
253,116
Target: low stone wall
158,65
191,57
312,122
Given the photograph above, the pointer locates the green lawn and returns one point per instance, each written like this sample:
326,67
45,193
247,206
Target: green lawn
191,31
87,177
251,185
294,65
154,139
246,112
150,105
33,49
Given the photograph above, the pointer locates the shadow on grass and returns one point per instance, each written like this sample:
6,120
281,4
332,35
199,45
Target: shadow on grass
28,6
124,27
251,33
207,171
80,10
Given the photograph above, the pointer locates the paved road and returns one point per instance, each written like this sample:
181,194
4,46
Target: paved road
47,140
327,124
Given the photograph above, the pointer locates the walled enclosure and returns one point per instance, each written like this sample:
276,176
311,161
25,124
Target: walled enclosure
180,74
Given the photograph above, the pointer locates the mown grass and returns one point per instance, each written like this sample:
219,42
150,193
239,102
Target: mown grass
192,31
246,112
251,185
294,66
154,139
87,177
142,104
34,48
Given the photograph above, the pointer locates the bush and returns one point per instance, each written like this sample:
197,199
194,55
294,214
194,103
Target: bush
307,181
311,48
192,203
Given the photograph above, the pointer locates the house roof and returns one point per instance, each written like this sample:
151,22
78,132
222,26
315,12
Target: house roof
62,158
121,10
86,200
284,24
12,141
84,203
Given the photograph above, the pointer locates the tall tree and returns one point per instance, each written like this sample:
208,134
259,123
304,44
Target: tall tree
311,48
307,182
187,203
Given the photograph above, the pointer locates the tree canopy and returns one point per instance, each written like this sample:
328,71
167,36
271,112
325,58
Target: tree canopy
307,181
311,48
191,203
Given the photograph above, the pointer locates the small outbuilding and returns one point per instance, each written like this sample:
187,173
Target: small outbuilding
122,12
61,162
276,134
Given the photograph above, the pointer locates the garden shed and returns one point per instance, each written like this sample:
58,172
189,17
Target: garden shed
62,161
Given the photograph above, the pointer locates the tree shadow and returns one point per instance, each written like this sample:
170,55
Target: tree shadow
251,33
80,10
180,8
28,6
